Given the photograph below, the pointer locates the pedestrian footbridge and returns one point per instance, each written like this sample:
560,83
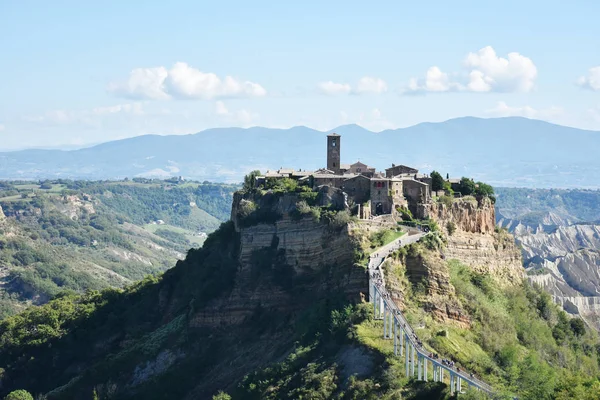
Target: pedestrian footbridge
418,361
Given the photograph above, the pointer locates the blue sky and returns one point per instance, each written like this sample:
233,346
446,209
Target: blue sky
86,72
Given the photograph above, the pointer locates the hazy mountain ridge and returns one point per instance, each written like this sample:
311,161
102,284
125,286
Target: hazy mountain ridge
515,152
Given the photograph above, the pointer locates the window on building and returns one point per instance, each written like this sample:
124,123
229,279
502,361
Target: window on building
334,164
333,142
396,192
379,192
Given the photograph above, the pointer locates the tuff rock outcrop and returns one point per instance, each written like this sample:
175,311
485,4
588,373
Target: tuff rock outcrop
275,241
476,242
468,214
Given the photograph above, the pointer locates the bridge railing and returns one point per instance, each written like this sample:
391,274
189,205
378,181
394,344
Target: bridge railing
379,294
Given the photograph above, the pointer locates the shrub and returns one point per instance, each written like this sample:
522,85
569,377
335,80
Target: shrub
446,200
405,212
451,227
448,189
221,396
340,219
19,395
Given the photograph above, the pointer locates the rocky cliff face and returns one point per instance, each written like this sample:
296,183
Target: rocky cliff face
496,254
292,251
469,215
476,242
1,214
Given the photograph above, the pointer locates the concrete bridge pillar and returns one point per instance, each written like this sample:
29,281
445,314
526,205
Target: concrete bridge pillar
413,360
407,351
384,322
419,369
451,383
425,362
375,302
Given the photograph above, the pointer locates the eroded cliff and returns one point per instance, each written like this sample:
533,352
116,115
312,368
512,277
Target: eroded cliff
282,252
466,234
566,263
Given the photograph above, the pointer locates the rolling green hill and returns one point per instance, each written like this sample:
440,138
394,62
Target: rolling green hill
80,235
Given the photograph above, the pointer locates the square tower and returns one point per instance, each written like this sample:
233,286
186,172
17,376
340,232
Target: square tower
333,152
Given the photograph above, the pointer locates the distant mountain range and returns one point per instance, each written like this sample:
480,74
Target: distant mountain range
510,151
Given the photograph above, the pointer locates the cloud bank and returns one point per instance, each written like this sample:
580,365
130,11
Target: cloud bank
182,82
483,71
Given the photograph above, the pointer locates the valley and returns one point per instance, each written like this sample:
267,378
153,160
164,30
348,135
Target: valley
559,233
65,235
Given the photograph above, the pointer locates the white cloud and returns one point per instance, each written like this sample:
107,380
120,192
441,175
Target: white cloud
365,85
240,117
143,83
369,84
591,80
220,108
332,88
182,82
484,72
374,120
2,127
504,110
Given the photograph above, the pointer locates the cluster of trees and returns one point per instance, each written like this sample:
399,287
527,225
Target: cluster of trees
466,186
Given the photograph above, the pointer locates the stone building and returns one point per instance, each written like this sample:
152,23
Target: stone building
372,193
358,188
396,170
333,153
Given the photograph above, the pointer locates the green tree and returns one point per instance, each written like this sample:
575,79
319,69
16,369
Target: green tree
483,189
221,396
577,326
19,395
466,186
250,179
437,181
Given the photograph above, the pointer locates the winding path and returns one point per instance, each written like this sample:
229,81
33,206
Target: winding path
396,327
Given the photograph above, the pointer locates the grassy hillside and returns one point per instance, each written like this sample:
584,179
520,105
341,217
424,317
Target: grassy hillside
143,342
78,235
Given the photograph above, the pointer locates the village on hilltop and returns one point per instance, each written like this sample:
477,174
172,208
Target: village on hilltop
375,193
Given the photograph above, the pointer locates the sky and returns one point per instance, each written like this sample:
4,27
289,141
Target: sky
79,73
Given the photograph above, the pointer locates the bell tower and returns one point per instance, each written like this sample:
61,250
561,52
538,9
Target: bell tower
333,152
